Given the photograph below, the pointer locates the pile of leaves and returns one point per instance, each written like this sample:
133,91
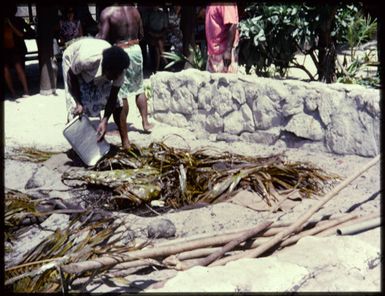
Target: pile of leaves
85,238
30,154
181,177
177,176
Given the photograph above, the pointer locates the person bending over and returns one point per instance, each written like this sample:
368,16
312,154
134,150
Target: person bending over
93,73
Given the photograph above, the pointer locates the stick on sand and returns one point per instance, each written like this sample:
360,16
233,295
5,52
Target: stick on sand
297,225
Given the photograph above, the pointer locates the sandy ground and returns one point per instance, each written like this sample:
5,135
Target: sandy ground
38,121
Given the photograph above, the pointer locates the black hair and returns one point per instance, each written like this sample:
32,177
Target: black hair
115,59
67,9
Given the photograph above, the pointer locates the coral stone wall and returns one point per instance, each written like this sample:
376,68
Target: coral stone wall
337,118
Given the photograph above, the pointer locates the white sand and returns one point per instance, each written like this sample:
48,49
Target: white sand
39,121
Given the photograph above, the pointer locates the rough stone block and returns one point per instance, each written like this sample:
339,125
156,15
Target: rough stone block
239,121
265,113
305,126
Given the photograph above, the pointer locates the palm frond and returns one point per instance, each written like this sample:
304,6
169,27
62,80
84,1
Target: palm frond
175,58
181,176
178,176
38,270
31,154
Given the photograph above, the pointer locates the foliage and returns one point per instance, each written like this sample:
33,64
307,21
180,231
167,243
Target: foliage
197,60
360,30
345,16
266,37
18,208
182,177
272,35
85,238
358,71
178,176
31,154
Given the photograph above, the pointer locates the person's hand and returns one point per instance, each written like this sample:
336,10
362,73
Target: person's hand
102,129
78,110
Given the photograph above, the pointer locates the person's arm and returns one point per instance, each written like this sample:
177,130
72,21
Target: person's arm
60,34
74,90
140,31
111,102
80,29
104,26
230,20
231,35
18,32
231,32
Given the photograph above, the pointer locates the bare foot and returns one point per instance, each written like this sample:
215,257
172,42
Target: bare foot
13,96
126,146
147,127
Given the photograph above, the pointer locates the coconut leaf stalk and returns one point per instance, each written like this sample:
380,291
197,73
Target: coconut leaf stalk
19,209
37,270
182,177
31,154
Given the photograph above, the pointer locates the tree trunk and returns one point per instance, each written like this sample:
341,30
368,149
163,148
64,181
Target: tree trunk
30,14
187,25
46,21
326,46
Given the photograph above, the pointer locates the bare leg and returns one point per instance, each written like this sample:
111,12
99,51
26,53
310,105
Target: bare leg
162,60
157,57
8,81
120,118
23,79
141,103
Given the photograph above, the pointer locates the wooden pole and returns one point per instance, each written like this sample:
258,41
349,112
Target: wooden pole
293,239
229,246
187,26
179,262
47,20
333,230
158,251
30,14
303,218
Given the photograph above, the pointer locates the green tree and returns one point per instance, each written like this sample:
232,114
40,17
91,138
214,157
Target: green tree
271,36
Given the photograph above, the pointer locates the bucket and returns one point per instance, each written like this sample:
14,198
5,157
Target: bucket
82,136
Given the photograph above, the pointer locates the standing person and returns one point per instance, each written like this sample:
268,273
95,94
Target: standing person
200,34
222,37
93,72
156,34
14,31
143,11
175,35
89,25
122,26
70,26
